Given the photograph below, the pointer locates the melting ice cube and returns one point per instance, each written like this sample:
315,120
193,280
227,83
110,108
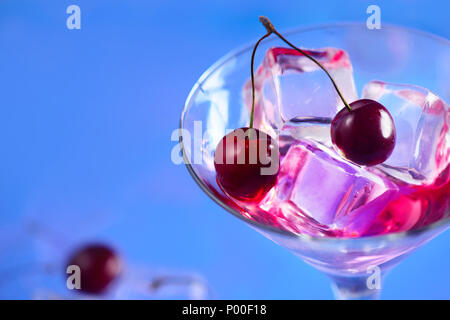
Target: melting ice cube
330,190
290,85
422,121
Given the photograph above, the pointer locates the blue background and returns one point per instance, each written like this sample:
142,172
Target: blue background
85,127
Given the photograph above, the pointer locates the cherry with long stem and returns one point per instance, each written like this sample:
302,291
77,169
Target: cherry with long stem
245,181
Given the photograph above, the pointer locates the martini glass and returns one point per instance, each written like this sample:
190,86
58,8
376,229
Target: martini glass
392,54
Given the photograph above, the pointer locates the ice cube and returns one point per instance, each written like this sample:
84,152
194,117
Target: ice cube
290,85
314,129
422,121
329,190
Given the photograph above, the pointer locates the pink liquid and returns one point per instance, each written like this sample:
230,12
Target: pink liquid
319,194
415,207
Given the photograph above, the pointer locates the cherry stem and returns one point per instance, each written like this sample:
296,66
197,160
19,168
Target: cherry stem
271,29
253,76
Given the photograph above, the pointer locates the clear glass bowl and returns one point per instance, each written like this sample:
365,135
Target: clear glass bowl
392,54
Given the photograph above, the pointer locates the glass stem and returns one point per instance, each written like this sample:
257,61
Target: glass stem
358,287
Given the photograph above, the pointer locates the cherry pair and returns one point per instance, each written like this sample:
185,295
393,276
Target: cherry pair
362,132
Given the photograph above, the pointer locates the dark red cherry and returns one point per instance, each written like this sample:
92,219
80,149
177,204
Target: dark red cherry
365,135
99,266
247,163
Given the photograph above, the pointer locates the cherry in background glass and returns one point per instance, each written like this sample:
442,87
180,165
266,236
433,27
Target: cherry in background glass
99,266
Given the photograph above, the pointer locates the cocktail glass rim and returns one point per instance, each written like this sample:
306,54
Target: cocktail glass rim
301,237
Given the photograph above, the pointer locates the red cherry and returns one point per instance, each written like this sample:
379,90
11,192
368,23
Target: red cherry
365,135
99,266
247,163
